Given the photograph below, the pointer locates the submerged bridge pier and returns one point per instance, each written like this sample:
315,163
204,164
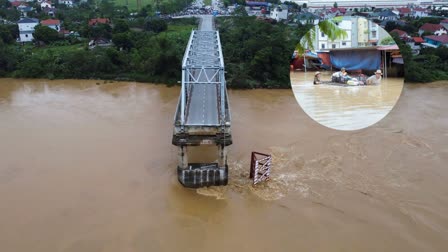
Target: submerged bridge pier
203,115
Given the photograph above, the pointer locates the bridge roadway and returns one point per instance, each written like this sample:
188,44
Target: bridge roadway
203,115
203,104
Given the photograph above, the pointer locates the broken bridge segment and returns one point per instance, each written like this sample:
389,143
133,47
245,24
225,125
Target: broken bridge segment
203,114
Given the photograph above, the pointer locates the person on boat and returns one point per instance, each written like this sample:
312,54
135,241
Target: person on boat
317,78
340,76
375,79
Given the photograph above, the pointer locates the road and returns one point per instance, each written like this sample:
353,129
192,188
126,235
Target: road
203,106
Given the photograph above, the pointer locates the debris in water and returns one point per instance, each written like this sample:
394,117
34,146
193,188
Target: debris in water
260,167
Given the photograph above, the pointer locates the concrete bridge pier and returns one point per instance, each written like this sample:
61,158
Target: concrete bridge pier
222,150
183,157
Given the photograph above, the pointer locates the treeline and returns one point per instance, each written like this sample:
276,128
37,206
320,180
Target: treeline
146,55
256,53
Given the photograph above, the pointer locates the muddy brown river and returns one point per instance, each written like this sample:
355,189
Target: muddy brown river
345,107
91,168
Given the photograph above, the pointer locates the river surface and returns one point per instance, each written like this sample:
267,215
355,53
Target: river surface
345,107
88,166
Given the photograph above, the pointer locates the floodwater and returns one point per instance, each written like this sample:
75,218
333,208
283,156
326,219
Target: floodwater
91,168
345,108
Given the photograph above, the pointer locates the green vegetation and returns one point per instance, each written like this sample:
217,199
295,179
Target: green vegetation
164,6
431,64
133,4
207,2
328,27
142,56
256,53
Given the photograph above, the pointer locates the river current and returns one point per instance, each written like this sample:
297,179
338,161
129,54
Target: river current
89,166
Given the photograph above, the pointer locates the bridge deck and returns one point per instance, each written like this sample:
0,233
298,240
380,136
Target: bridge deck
203,107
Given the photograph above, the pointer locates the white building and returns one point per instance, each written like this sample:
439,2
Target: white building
26,28
368,3
68,3
45,4
279,13
360,32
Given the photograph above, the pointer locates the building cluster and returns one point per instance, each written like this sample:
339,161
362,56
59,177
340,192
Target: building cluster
360,31
27,24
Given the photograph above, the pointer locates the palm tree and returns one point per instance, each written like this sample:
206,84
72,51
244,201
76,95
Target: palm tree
328,27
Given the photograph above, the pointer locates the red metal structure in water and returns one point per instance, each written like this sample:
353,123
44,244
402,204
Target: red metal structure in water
260,167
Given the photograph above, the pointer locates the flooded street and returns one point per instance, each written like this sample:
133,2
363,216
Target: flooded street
345,108
88,166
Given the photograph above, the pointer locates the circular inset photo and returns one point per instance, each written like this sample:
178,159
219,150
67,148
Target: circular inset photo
347,73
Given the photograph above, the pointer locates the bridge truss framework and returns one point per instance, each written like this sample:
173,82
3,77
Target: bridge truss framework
203,115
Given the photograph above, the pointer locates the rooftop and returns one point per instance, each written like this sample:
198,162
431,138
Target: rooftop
28,20
50,22
431,27
442,39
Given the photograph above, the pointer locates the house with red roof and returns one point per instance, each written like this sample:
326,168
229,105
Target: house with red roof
96,21
16,3
444,23
436,41
418,40
436,29
400,33
404,12
338,11
54,24
420,12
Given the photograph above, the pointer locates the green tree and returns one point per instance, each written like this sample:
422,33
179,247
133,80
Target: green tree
240,11
45,34
156,25
100,31
328,27
122,40
5,35
387,41
120,26
335,4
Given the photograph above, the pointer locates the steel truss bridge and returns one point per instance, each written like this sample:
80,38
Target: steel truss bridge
203,115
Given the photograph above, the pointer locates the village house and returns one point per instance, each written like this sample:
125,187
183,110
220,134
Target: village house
26,29
436,41
68,3
404,12
45,4
338,11
401,34
436,29
54,24
420,12
307,18
95,21
387,15
444,23
24,8
279,13
50,11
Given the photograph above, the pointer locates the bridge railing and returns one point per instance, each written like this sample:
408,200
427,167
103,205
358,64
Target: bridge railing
203,63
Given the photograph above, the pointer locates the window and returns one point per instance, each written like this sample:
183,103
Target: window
322,46
322,34
333,46
26,35
344,43
374,34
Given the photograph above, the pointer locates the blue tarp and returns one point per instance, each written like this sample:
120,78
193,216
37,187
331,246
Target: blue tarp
356,59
